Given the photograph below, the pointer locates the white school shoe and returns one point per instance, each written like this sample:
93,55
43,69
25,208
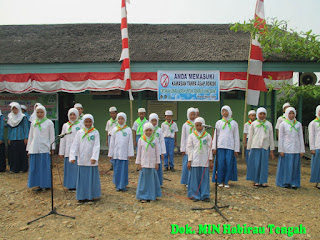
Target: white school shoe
226,186
221,185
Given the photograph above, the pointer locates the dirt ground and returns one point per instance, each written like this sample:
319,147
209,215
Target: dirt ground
118,215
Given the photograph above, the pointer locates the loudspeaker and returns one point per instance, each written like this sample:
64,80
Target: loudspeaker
307,78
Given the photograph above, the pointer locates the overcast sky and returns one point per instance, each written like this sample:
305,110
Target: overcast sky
302,15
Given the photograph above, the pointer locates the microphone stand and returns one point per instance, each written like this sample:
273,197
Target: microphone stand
215,207
53,209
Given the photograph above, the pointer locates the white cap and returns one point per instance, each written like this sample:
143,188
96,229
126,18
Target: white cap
168,112
200,120
112,109
251,112
78,105
286,105
24,107
141,110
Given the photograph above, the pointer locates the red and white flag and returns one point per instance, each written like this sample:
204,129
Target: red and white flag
125,58
255,80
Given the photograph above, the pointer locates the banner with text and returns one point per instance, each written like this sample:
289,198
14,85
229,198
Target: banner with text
188,86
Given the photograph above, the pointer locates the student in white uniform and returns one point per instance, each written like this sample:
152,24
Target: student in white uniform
199,161
138,126
70,170
291,149
111,124
187,129
41,136
148,160
227,131
86,145
169,129
314,143
282,118
34,114
154,119
247,125
79,107
121,149
261,145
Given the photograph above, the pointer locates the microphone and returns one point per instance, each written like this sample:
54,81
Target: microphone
62,135
207,126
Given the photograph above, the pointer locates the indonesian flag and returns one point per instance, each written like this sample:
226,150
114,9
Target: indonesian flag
125,58
255,80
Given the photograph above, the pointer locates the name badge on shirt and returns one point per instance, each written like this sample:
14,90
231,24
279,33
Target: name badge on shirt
92,137
124,134
205,142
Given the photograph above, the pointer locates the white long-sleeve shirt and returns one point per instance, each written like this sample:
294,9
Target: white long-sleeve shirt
85,149
197,157
228,139
40,141
166,130
109,127
121,144
136,126
290,141
67,140
314,135
185,132
258,138
150,157
160,138
279,121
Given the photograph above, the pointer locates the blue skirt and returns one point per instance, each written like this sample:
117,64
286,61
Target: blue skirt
70,174
148,185
315,167
160,174
39,170
120,174
88,183
258,165
288,172
185,171
194,180
227,166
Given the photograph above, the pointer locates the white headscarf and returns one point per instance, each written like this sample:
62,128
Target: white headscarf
15,119
88,116
251,112
226,107
286,114
75,111
286,105
200,120
260,110
122,114
34,114
0,113
190,110
317,111
196,110
148,126
44,110
154,116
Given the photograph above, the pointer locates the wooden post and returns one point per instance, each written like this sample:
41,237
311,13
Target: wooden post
245,101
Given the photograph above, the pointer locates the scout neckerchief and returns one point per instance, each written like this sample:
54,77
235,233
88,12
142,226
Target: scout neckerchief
113,121
86,132
39,122
226,122
71,124
155,132
318,121
144,138
140,128
292,124
283,117
262,124
121,129
80,117
249,122
191,126
199,138
169,124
